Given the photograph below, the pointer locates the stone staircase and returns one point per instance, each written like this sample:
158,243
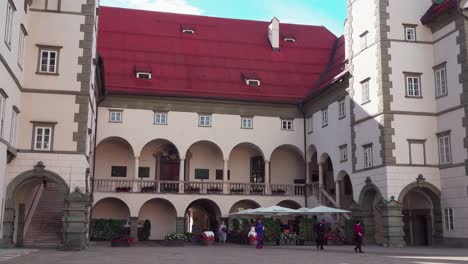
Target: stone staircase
45,230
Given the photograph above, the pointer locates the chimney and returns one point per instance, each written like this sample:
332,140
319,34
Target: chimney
273,33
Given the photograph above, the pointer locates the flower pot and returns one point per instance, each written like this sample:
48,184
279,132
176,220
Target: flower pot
208,242
174,243
253,242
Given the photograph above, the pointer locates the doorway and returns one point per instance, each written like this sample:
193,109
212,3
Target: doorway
257,170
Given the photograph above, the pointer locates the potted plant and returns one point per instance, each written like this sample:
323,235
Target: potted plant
122,241
256,190
278,191
151,188
123,189
237,190
214,190
191,189
272,232
170,189
174,240
208,238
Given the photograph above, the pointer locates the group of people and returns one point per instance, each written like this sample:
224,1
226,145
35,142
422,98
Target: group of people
321,236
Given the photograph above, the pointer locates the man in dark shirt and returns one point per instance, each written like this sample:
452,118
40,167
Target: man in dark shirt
320,231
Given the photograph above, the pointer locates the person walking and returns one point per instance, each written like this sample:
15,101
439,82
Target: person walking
358,236
259,228
320,232
222,232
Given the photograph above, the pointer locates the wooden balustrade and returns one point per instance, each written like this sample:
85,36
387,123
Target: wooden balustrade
202,187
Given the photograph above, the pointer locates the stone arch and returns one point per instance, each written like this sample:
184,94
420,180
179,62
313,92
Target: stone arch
328,173
434,194
162,215
163,141
204,154
369,197
248,144
287,165
211,143
345,189
202,214
111,208
39,173
243,205
312,163
246,163
324,157
162,158
111,151
311,149
289,204
117,140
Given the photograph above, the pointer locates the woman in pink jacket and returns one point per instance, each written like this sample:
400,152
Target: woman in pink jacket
358,236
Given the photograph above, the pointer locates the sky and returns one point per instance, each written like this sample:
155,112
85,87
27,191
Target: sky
329,13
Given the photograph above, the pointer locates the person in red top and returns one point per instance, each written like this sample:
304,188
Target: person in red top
358,236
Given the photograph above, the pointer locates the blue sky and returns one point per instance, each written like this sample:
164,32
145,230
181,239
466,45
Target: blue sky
330,13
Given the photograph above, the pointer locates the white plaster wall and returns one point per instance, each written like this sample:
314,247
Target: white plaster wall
452,121
225,131
286,166
400,177
3,164
13,93
367,132
205,156
110,154
162,216
408,12
111,209
239,163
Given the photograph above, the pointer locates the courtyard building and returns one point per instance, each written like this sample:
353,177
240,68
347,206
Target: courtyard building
182,119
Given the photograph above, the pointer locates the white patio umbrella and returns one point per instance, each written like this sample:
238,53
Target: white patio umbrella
322,210
268,211
241,213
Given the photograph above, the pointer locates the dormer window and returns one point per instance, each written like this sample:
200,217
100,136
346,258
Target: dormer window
187,30
143,75
290,40
252,82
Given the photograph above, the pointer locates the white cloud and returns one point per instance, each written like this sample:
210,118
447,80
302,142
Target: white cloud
172,6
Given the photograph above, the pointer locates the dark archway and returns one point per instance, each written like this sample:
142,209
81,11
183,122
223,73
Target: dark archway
369,198
41,190
290,204
202,215
422,215
161,158
162,215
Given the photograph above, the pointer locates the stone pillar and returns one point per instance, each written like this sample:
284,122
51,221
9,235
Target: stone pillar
8,228
225,177
134,227
338,193
181,175
180,225
321,172
392,217
21,222
267,177
135,174
75,222
307,176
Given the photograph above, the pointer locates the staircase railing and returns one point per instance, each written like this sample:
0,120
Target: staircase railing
32,208
332,202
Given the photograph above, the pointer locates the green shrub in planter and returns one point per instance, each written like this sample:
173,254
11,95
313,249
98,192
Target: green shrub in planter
106,229
234,225
272,230
307,229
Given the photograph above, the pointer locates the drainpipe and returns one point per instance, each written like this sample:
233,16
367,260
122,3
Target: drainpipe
301,108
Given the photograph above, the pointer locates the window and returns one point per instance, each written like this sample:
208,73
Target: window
188,31
289,39
413,86
441,80
449,220
286,124
3,98
343,153
22,37
219,175
252,82
143,172
325,117
115,116
160,118
364,40
143,75
119,171
341,109
43,138
202,174
14,124
368,159
445,156
9,22
247,122
310,124
410,32
365,91
48,61
204,120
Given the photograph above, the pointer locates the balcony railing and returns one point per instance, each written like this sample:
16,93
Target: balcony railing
198,187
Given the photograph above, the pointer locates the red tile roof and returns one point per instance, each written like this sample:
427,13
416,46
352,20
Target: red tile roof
437,10
210,63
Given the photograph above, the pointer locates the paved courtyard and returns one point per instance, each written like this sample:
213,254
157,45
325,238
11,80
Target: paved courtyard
230,254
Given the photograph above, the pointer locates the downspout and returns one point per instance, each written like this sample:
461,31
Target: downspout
301,108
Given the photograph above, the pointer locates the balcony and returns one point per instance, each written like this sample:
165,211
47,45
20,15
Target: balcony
203,188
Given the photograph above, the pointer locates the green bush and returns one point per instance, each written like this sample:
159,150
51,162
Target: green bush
272,229
234,225
307,228
106,229
245,225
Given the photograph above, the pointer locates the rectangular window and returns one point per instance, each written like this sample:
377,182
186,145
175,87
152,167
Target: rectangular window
14,124
119,171
48,61
9,22
204,120
441,81
3,98
160,118
445,156
368,158
449,219
365,92
247,122
43,138
413,86
286,124
202,174
22,37
410,33
115,116
143,75
364,40
341,109
143,172
310,124
343,153
325,117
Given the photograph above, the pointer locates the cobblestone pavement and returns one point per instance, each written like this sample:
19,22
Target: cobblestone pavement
9,254
230,254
